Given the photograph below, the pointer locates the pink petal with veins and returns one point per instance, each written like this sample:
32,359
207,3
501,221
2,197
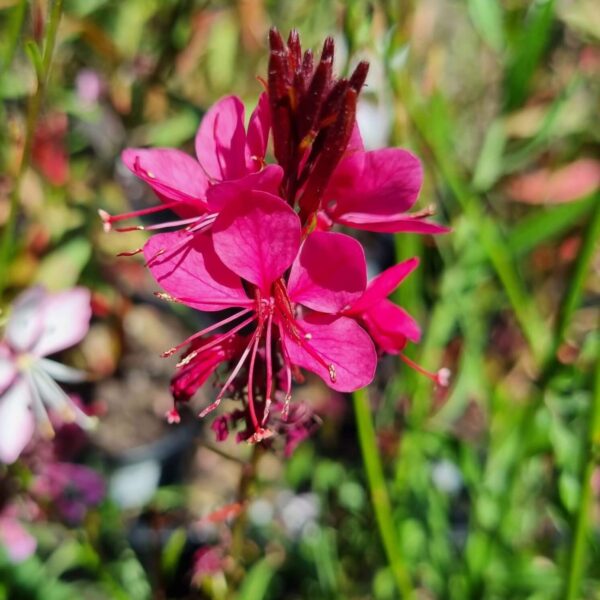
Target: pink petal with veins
193,273
221,140
397,223
383,285
258,129
172,174
266,180
257,235
390,326
382,182
339,342
329,273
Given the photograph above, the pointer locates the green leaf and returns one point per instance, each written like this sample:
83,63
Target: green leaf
489,165
35,56
487,18
62,267
173,131
529,48
257,581
172,552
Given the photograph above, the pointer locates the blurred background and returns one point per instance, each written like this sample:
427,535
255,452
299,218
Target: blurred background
493,483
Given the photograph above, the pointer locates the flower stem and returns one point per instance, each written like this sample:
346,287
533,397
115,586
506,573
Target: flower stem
378,491
33,110
247,478
577,555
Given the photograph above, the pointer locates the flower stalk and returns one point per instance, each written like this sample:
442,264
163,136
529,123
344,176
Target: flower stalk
379,493
578,555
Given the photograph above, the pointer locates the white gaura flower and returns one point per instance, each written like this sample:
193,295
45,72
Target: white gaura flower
39,324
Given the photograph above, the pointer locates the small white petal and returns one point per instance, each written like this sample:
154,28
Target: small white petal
16,421
66,320
61,372
25,321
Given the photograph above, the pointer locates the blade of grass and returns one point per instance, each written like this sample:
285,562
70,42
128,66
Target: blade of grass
33,110
572,297
577,554
545,224
379,493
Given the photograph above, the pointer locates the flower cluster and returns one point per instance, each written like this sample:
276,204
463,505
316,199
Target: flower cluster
255,239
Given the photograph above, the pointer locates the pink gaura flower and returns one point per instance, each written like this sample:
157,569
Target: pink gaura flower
39,325
226,153
374,191
389,325
290,291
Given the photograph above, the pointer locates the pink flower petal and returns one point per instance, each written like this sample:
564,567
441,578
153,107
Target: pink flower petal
383,285
16,421
339,342
258,128
20,545
257,235
66,320
390,326
329,273
382,182
8,369
398,223
193,273
172,174
221,140
266,180
25,320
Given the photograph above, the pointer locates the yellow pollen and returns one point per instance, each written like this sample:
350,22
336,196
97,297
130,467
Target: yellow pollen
25,361
166,297
187,359
332,373
308,336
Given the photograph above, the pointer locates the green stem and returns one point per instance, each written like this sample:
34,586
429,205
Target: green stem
573,295
577,554
33,111
379,494
247,479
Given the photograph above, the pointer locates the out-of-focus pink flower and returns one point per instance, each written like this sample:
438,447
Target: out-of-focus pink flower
40,324
566,184
71,489
254,241
89,86
18,543
48,152
208,561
